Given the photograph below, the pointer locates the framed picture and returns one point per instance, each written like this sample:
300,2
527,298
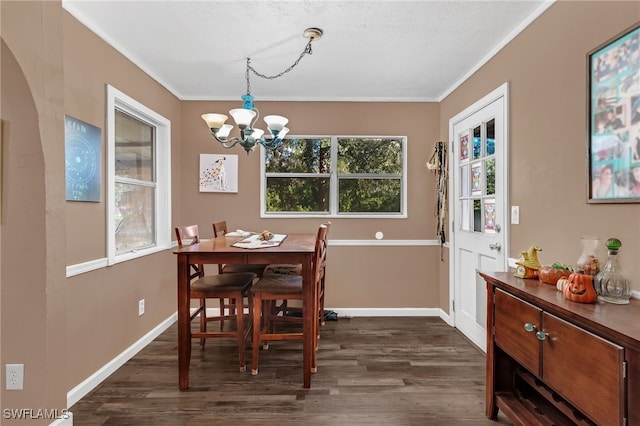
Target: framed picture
614,120
83,160
476,179
218,173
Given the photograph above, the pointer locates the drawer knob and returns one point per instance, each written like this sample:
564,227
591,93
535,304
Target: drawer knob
541,335
529,327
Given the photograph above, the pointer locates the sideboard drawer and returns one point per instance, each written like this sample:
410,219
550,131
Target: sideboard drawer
511,314
586,369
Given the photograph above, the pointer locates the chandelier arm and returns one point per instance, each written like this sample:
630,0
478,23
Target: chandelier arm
254,118
273,144
229,143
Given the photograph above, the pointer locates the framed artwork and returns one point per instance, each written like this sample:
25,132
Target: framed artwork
464,147
218,173
83,160
476,179
614,120
490,216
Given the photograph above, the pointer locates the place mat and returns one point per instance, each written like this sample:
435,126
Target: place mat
254,242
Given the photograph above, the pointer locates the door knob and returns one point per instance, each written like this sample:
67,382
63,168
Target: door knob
495,246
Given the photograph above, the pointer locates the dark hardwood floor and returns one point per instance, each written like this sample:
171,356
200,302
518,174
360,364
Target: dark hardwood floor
371,371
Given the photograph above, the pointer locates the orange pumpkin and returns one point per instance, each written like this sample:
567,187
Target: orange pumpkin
551,275
580,288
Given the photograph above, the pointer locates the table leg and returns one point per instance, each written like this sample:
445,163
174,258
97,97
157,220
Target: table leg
309,318
184,326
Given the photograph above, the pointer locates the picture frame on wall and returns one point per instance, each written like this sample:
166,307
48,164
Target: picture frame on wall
218,173
83,160
614,120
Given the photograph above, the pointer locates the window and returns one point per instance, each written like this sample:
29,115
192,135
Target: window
139,179
335,176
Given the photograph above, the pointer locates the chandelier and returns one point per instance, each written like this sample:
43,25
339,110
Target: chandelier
247,116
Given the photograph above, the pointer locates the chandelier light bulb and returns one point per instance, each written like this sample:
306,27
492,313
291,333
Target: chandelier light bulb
214,121
224,131
276,122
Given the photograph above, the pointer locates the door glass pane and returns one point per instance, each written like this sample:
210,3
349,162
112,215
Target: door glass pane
134,207
134,148
477,216
477,146
490,174
490,216
465,180
464,215
490,148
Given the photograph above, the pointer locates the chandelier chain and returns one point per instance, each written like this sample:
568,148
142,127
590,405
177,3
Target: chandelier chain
307,50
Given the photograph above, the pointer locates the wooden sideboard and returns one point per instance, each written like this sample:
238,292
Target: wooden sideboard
551,361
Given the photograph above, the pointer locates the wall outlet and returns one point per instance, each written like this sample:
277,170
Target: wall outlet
515,215
15,376
140,307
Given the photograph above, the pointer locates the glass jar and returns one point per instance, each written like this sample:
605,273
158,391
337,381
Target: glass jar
588,261
610,284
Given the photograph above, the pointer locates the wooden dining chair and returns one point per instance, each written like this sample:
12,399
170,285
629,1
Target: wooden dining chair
220,229
274,287
296,269
228,286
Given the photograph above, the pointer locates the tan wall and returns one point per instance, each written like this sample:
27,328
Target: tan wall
546,67
102,313
33,294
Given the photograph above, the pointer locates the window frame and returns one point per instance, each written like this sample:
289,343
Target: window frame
162,171
334,181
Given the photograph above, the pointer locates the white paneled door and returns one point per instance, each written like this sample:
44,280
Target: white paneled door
478,171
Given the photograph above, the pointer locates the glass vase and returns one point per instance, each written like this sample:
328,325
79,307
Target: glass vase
610,284
588,261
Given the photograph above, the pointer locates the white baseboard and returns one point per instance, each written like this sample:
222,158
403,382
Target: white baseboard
76,394
375,312
446,318
66,421
386,312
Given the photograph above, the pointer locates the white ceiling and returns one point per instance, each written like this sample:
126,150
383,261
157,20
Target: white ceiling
371,50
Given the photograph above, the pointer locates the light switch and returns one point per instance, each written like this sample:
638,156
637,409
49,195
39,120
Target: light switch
515,215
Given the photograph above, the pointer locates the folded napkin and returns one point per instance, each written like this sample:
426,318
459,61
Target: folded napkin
238,233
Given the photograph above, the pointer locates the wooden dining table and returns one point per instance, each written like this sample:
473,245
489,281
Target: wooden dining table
296,248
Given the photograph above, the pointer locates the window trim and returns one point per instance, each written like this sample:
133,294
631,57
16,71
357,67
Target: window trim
119,100
333,183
